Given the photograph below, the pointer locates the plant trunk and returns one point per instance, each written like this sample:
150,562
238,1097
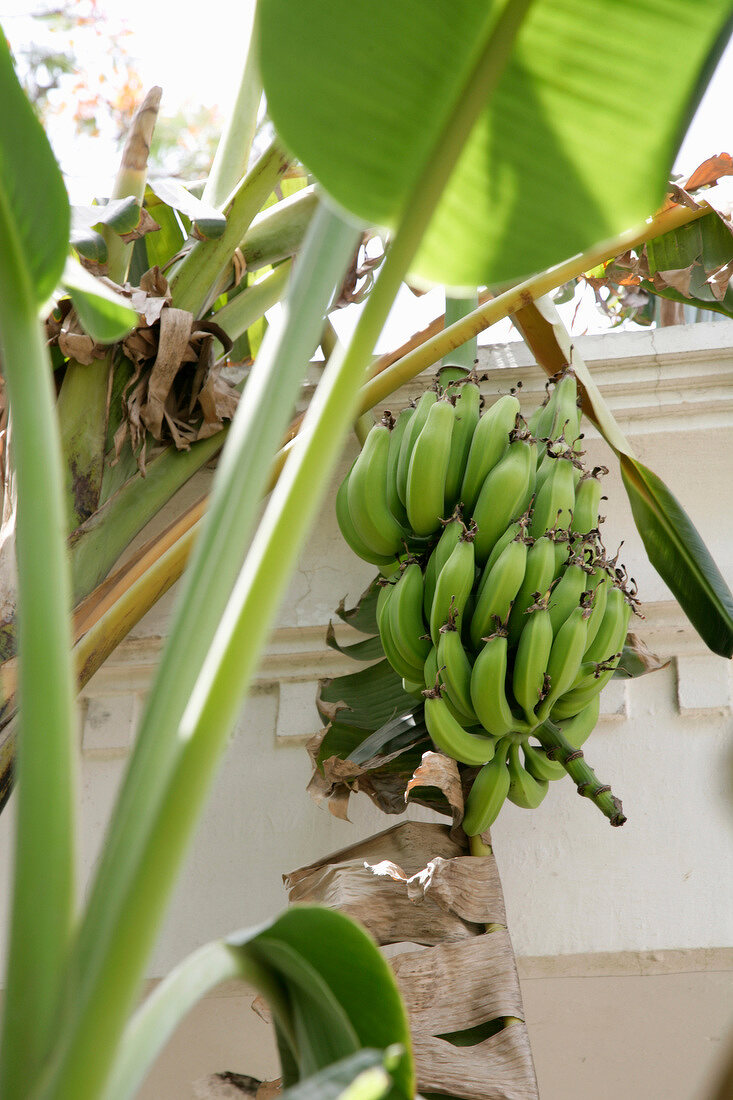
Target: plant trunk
417,884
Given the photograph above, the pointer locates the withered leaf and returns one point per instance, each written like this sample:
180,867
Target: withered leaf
678,278
710,171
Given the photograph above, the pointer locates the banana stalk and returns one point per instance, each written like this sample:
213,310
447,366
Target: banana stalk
559,748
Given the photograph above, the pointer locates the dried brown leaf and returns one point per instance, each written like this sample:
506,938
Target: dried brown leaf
710,171
175,331
218,401
457,986
345,880
678,196
719,279
677,278
77,345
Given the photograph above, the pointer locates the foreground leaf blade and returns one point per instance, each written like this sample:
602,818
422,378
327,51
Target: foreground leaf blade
116,936
282,964
680,556
550,129
32,184
34,221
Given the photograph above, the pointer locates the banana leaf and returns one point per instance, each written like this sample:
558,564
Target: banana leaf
692,265
680,556
543,132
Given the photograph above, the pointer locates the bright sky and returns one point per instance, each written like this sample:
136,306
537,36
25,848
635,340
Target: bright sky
196,55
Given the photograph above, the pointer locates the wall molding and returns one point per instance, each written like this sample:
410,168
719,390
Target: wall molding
654,380
627,963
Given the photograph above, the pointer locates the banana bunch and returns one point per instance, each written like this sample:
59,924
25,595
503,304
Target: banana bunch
498,606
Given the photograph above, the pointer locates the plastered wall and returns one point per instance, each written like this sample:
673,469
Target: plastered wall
588,906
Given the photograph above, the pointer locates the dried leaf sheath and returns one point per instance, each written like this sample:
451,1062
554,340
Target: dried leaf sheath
428,891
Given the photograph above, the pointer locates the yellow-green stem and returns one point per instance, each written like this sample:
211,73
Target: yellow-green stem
194,285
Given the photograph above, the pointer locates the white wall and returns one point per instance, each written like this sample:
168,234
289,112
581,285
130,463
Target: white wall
573,885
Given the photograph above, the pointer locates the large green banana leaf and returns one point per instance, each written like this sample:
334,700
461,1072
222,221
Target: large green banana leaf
574,146
679,555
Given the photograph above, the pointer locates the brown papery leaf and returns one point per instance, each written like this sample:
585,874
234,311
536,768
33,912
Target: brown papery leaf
718,280
175,330
710,171
438,770
677,278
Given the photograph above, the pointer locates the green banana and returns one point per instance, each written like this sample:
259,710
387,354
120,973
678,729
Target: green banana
537,763
403,668
519,527
367,496
599,584
612,631
554,502
490,441
488,689
413,687
530,663
445,546
503,494
578,728
385,594
538,577
430,669
467,412
456,670
524,789
565,658
581,694
567,592
428,469
587,502
412,431
406,618
488,793
453,585
450,736
561,415
498,590
349,531
394,656
395,445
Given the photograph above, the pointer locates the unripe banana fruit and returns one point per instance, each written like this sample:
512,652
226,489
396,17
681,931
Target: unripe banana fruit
512,615
428,470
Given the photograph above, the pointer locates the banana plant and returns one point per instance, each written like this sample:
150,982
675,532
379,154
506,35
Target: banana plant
496,121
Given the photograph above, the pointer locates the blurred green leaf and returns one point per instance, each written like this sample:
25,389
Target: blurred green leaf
553,141
33,201
105,315
362,1076
324,960
300,962
680,556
